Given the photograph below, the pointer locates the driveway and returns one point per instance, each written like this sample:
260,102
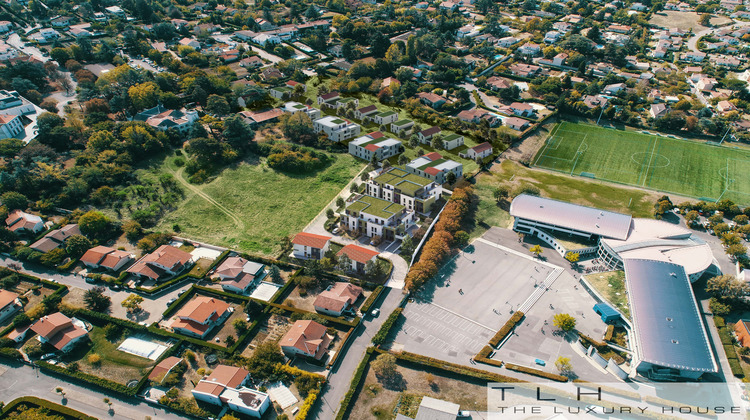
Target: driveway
152,306
341,376
22,380
64,98
267,56
15,41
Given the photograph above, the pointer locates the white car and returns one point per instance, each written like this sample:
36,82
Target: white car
375,312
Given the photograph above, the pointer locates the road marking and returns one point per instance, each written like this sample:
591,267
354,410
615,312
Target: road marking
461,316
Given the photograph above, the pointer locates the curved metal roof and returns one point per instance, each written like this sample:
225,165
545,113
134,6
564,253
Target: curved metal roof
667,325
572,216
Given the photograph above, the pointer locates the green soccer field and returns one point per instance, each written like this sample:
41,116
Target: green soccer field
660,163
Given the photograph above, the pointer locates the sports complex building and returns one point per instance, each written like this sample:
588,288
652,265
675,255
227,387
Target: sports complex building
660,260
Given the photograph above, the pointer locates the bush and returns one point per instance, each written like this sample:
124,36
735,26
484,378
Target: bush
51,408
346,402
736,368
385,329
481,357
608,334
506,329
94,359
365,308
536,372
304,411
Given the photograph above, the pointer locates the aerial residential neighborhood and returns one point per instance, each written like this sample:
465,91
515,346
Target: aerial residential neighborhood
374,210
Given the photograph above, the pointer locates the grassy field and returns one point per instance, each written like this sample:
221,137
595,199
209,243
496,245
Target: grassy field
611,285
250,207
411,153
675,19
552,185
690,168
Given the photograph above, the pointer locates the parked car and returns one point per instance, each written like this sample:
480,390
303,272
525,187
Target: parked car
171,301
336,231
182,292
90,280
375,312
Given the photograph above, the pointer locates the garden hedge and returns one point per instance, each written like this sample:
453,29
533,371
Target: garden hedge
90,379
719,322
385,329
357,381
597,344
166,284
507,328
342,348
54,409
171,309
281,293
307,405
481,357
725,336
734,365
365,308
452,367
10,353
536,372
610,332
67,265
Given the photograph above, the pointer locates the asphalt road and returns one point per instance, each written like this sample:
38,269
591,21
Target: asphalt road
22,380
341,376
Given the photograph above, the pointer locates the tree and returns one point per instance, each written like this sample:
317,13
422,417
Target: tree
96,300
132,230
237,132
340,202
572,257
663,205
536,250
217,105
77,245
691,218
262,363
736,251
563,365
344,263
384,366
13,200
705,19
132,303
93,223
407,246
564,322
240,325
727,287
144,95
275,274
501,193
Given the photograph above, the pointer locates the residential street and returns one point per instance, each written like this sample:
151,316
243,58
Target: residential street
22,380
152,308
15,41
341,376
64,98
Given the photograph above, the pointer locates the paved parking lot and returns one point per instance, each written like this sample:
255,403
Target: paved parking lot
476,293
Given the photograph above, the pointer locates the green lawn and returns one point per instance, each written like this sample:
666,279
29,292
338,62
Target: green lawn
560,187
690,168
250,207
411,153
611,285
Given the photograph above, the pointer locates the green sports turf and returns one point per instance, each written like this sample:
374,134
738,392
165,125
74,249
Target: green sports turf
661,163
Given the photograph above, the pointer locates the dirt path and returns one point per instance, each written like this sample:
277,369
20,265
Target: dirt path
178,174
526,149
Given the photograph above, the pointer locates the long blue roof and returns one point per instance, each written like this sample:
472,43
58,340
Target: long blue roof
666,321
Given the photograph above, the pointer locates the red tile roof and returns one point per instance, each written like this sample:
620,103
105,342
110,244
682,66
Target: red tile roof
358,253
229,376
57,329
482,147
340,295
161,370
6,298
308,337
433,156
310,239
203,308
328,96
372,147
432,171
209,388
375,135
164,256
430,131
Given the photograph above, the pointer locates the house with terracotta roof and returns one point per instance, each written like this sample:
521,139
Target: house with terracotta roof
180,120
255,119
518,124
430,99
476,115
425,136
239,275
365,112
412,191
55,238
106,257
165,262
434,167
9,304
310,246
337,299
59,331
742,330
251,62
163,369
328,99
498,83
10,126
522,109
375,145
306,338
479,151
226,386
22,222
200,315
359,256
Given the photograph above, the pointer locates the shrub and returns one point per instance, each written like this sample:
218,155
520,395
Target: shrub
481,357
385,329
536,372
608,334
371,300
736,368
506,329
95,359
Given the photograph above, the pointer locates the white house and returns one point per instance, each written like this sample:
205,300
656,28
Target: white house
295,107
434,167
359,256
402,126
238,275
530,49
376,217
452,141
310,246
9,304
10,126
21,222
479,151
337,129
306,338
385,117
226,386
374,144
